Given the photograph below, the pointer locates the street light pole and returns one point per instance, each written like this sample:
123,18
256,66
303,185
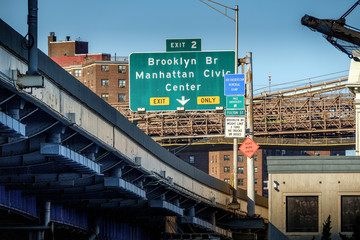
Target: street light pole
234,204
235,141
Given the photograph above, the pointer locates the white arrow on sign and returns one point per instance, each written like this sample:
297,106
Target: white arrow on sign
183,101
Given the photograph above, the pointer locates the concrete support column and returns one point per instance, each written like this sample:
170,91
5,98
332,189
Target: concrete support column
213,219
33,235
91,156
46,219
14,108
91,151
47,208
96,232
162,197
353,84
14,113
54,138
117,172
176,202
191,212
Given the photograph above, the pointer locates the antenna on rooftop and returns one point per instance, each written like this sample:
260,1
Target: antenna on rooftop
269,82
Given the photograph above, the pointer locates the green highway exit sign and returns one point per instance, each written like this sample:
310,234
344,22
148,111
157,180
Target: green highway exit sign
235,102
183,45
165,81
235,112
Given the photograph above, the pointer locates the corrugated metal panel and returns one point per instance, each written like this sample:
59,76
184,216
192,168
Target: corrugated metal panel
68,217
206,225
121,231
69,157
121,184
15,200
167,206
10,126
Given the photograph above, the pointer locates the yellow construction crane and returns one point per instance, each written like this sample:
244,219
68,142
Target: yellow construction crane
337,32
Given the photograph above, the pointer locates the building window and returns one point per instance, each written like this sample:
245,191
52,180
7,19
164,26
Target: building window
226,169
302,214
105,96
240,158
104,68
227,180
121,83
255,157
121,97
122,69
191,159
240,170
77,72
255,169
350,208
226,157
104,82
255,181
241,182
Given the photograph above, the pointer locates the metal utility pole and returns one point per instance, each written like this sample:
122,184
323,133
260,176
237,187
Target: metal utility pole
250,132
235,143
32,77
234,204
32,37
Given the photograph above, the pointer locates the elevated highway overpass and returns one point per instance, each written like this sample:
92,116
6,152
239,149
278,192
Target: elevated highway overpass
73,167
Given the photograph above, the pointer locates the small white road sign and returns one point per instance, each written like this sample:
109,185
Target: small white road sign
235,127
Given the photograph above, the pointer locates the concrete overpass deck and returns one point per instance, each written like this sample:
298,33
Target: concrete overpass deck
67,153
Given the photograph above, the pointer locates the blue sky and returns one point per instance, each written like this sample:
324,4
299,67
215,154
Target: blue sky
271,30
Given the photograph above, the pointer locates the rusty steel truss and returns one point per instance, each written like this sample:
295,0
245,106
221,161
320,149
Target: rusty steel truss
321,114
317,114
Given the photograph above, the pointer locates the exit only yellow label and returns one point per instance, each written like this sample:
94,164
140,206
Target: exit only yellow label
159,101
208,100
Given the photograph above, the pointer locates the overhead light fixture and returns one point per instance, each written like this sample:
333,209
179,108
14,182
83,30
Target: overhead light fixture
219,109
180,109
141,110
27,81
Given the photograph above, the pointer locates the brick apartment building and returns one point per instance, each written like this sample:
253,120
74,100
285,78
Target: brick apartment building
109,78
105,76
221,167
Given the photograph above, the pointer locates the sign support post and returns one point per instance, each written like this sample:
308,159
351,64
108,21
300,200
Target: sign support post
235,143
250,131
